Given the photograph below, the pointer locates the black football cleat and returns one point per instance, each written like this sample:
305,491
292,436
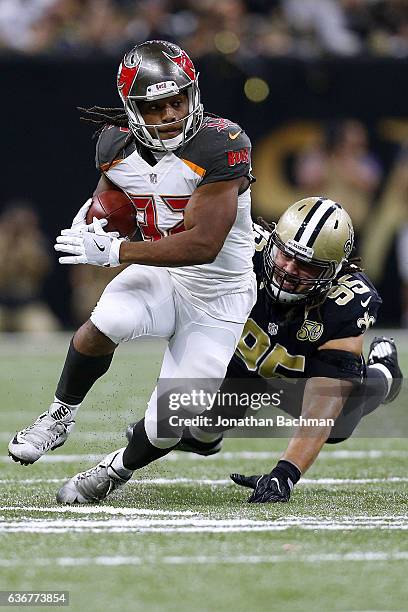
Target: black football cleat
383,351
188,444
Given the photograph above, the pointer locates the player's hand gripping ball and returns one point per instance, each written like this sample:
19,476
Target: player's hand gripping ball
117,209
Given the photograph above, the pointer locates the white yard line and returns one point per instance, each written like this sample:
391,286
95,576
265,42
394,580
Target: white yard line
112,436
208,559
110,510
337,454
201,525
63,458
216,482
84,436
193,517
229,455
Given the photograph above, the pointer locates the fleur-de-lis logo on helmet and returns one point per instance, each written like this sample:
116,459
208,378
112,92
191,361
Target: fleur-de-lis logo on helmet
348,245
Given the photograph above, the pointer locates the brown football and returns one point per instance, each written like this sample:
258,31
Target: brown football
116,207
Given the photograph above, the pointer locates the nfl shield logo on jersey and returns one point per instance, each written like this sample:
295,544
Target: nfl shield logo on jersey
273,329
153,178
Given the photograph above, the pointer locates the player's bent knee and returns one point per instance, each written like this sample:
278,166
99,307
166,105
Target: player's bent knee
116,321
88,340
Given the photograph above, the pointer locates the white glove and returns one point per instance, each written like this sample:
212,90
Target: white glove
79,221
98,248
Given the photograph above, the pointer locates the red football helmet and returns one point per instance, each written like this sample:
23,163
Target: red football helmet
154,70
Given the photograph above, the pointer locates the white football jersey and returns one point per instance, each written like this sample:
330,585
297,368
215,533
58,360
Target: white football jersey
160,191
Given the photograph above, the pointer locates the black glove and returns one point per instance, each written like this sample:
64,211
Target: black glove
270,488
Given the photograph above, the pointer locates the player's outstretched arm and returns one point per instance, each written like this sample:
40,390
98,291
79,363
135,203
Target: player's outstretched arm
209,216
324,398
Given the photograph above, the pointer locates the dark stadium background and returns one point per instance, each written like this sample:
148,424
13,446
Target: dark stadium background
47,154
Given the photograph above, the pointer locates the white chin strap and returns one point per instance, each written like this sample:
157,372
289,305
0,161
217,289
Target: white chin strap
168,143
285,297
171,143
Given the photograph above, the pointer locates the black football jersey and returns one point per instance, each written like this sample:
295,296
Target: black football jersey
278,340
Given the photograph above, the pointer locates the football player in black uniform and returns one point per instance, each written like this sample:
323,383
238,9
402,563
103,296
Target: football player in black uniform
313,307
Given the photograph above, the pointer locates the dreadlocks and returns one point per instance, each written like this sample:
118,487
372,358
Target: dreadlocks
267,226
101,117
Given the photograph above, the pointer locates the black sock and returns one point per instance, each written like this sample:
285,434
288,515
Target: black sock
372,393
140,451
79,374
377,390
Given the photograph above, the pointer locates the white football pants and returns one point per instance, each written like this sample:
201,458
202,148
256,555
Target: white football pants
143,301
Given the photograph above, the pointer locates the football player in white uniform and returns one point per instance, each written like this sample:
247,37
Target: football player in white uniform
191,280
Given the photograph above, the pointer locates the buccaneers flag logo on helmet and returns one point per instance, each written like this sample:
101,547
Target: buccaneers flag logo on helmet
184,62
127,74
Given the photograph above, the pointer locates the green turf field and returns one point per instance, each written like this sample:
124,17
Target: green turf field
181,536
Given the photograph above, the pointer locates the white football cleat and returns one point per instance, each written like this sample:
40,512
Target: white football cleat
384,356
94,485
48,432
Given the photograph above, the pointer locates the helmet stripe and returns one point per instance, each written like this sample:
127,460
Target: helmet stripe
312,224
306,220
319,226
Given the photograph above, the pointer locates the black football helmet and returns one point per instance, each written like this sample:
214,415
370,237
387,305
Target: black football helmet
154,70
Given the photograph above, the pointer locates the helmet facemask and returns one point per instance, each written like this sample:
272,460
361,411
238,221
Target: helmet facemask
285,287
190,124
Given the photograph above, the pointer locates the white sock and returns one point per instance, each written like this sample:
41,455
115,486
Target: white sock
385,371
56,405
117,465
204,436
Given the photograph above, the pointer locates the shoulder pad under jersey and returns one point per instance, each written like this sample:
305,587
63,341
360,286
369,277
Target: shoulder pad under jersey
110,147
351,306
220,151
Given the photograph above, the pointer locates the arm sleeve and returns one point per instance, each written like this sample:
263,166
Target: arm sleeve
342,365
221,150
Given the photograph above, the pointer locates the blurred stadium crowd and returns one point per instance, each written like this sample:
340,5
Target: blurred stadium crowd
342,164
297,28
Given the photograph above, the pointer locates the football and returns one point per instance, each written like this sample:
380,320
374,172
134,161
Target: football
116,207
